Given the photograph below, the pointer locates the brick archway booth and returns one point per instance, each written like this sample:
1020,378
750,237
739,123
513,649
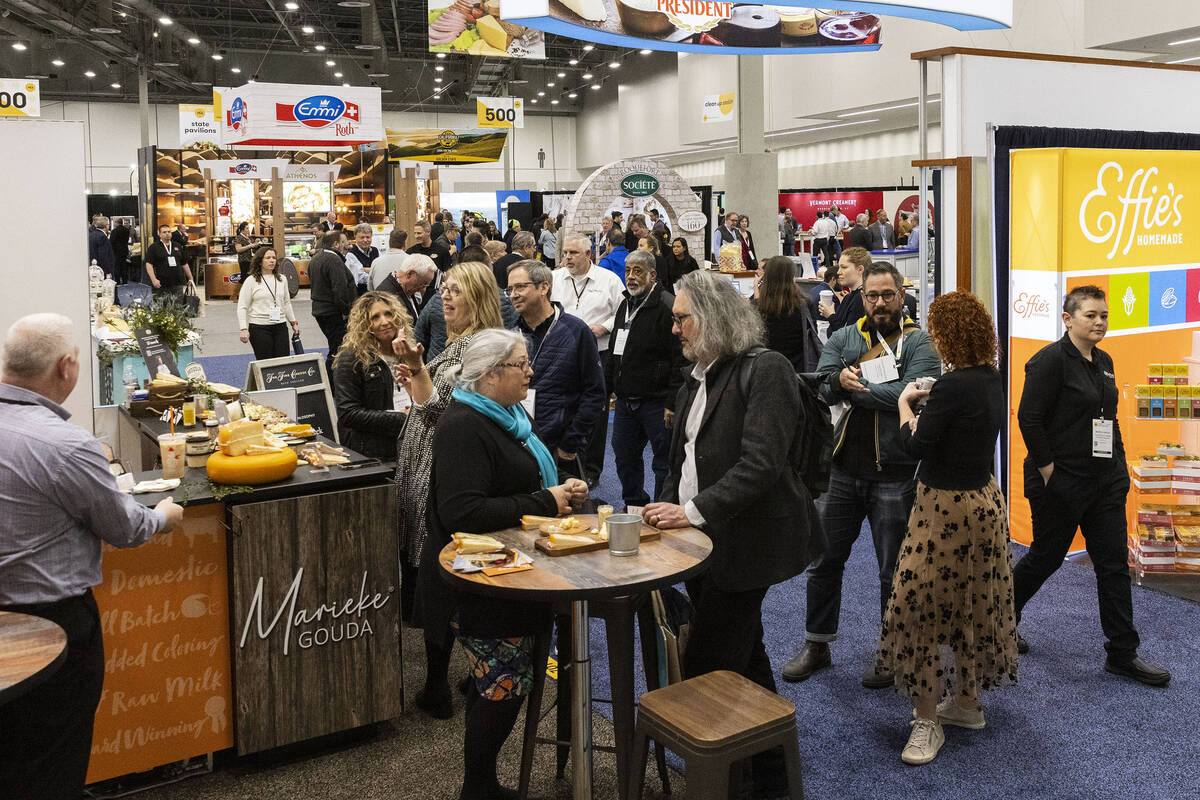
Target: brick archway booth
598,191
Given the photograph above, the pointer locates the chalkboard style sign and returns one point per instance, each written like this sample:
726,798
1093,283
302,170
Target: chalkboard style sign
306,374
154,352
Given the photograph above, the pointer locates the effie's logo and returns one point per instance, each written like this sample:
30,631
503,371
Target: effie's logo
1031,304
1143,214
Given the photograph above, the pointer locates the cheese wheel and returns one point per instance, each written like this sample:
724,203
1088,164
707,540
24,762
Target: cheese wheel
251,470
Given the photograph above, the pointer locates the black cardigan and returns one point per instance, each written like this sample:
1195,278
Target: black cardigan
651,365
363,397
482,481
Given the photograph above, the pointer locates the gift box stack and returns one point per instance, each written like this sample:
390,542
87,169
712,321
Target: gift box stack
1167,535
1166,394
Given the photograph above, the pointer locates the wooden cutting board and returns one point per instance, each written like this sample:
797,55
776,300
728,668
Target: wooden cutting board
543,543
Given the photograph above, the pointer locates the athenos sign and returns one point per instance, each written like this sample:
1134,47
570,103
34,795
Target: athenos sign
639,184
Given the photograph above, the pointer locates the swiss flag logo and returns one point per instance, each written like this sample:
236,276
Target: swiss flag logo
351,111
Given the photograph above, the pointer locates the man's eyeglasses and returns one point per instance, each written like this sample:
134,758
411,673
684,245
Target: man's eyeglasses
680,318
517,287
522,365
874,297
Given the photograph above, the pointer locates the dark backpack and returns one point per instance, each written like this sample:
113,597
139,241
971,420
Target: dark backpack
811,452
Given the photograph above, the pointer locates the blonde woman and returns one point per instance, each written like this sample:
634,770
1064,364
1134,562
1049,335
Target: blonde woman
371,406
470,304
263,305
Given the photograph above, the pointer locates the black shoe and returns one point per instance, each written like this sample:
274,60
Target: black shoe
435,702
812,657
1139,670
1022,645
875,678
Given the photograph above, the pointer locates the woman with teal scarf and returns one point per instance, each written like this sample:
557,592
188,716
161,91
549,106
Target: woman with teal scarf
489,469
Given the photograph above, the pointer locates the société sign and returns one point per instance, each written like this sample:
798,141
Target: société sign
639,184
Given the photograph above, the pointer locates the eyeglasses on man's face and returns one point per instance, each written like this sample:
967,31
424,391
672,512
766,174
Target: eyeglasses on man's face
518,287
874,297
681,318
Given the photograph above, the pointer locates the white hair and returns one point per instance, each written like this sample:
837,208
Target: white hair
578,237
863,218
725,323
483,356
363,226
35,343
419,263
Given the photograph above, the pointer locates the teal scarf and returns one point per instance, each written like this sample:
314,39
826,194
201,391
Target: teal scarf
516,424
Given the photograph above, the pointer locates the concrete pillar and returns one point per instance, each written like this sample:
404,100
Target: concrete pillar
752,175
143,103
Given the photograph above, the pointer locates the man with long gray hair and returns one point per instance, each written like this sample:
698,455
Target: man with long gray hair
59,503
736,421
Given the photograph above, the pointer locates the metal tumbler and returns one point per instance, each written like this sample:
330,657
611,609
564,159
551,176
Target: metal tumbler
624,534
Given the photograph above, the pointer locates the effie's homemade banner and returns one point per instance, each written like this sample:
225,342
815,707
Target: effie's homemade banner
285,115
446,146
474,28
1119,220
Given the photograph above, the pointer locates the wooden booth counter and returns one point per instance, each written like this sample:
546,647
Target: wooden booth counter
267,617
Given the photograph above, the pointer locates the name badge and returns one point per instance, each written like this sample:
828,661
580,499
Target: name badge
401,401
171,261
619,342
1102,438
276,314
880,370
528,402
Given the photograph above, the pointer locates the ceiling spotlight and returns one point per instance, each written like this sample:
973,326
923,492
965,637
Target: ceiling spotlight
385,91
337,74
562,74
533,99
345,85
366,46
58,62
645,52
441,55
115,85
550,85
166,63
164,21
354,3
573,61
437,80
192,40
291,6
112,192
572,95
105,29
378,74
541,94
236,70
587,76
133,166
330,63
307,29
595,86
614,64
217,57
18,46
320,48
553,102
587,48
250,81
156,34
440,68
89,74
36,77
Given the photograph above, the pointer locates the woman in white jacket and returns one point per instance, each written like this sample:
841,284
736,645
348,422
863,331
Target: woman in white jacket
263,305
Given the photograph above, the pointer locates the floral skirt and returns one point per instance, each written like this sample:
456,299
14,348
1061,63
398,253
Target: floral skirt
501,668
950,619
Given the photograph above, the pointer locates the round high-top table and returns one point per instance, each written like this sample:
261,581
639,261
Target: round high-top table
677,555
31,650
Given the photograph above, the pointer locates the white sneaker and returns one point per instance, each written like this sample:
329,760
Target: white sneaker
924,742
951,713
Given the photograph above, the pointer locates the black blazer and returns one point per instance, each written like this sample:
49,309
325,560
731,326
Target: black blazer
363,398
651,365
482,481
860,237
760,517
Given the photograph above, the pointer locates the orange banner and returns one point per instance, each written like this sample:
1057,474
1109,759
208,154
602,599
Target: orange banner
164,610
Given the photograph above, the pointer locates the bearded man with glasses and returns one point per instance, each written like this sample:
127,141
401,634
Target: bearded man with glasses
865,365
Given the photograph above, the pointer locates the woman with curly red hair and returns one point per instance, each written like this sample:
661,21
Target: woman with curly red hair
950,630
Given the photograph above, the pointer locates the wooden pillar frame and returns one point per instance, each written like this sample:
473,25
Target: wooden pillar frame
964,245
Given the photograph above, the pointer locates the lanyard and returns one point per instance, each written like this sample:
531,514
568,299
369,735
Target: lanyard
899,347
634,311
533,361
579,290
274,299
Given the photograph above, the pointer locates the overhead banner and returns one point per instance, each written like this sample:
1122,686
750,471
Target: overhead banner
717,108
499,112
446,146
245,169
707,26
806,205
475,29
285,115
198,124
20,97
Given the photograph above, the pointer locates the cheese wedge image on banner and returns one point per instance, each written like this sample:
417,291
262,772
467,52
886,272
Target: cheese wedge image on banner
591,10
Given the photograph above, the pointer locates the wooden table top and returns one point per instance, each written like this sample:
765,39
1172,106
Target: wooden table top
677,555
31,650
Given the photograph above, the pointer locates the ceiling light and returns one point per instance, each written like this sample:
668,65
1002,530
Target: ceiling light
236,70
1183,41
330,63
105,29
437,80
337,74
133,166
573,62
645,52
250,81
58,62
587,76
166,63
307,29
201,83
562,74
112,192
378,74
595,86
115,85
320,48
291,6
1184,60
165,21
366,46
18,46
156,34
533,99
550,85
217,56
89,74
541,94
440,68
441,55
614,64
572,95
587,48
37,77
553,102
345,86
385,91
353,3
193,40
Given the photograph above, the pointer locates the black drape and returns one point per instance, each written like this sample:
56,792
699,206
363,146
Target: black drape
1012,137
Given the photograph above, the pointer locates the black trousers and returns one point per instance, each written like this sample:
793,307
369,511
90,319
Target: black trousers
48,732
334,328
269,341
1096,506
726,633
593,452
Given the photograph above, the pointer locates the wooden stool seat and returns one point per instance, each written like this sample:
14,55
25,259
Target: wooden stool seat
717,709
713,721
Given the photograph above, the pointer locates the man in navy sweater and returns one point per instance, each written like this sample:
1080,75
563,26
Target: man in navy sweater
566,394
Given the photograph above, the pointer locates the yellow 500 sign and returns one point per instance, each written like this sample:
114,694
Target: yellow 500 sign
19,98
500,112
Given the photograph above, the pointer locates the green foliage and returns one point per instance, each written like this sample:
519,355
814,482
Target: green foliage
167,318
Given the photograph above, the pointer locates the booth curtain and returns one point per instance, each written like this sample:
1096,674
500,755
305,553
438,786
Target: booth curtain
1011,137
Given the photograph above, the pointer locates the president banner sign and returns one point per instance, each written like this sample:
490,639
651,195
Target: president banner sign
282,115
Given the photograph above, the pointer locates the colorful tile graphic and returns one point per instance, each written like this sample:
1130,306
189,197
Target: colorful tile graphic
1168,297
1128,301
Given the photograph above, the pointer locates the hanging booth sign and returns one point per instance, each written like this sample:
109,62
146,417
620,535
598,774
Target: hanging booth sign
707,26
445,146
20,97
474,28
284,115
198,123
499,112
717,108
246,169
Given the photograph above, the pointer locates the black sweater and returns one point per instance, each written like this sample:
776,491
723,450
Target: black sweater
332,286
483,480
364,401
652,363
956,433
1063,393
